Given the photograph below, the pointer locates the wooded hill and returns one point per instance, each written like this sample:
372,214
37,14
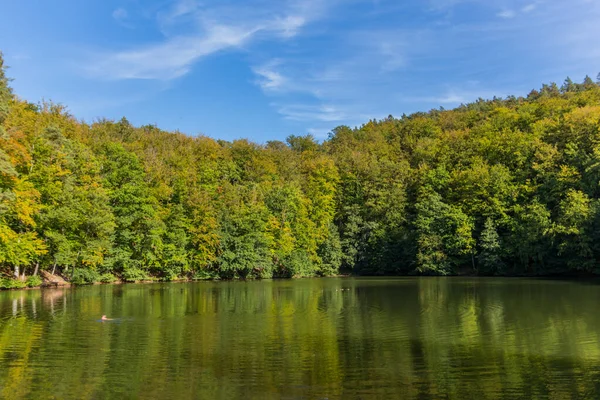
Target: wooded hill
496,187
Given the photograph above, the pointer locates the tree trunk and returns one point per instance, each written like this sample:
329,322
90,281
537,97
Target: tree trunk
37,267
54,268
16,272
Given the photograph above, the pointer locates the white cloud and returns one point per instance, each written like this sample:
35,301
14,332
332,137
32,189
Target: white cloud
322,112
508,8
170,59
451,98
394,54
172,17
446,4
215,29
512,13
458,94
343,86
120,14
181,8
288,26
356,74
507,14
269,78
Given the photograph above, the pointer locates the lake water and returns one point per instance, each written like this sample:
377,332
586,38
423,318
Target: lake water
350,338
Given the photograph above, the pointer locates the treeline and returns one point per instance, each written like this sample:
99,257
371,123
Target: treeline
497,187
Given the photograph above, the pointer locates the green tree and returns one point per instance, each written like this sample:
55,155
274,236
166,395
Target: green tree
137,240
490,260
444,235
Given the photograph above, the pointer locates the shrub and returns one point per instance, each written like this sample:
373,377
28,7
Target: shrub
8,283
169,275
204,275
33,281
84,276
107,278
297,264
134,274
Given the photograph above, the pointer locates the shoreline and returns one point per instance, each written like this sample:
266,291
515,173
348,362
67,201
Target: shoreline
69,285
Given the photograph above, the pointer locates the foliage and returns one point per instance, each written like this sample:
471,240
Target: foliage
84,276
8,283
107,278
502,186
490,261
134,275
33,281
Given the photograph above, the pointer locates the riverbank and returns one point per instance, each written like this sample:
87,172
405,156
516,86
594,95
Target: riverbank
56,281
49,281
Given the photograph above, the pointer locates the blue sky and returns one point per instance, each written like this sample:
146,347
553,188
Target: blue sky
266,69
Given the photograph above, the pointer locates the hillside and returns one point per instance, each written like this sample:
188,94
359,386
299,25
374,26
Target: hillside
497,187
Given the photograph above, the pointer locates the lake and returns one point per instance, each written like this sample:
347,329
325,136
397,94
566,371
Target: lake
331,338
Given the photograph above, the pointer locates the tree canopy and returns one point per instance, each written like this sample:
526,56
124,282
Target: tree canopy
497,187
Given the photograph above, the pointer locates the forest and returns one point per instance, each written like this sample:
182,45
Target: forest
507,186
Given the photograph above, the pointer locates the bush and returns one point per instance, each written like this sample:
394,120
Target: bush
204,275
169,276
84,276
33,281
297,264
107,278
8,283
134,274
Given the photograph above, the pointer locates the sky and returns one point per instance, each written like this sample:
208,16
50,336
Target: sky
267,69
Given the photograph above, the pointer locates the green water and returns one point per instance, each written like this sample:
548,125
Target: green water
404,338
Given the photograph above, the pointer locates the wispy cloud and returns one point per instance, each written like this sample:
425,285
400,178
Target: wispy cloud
507,14
517,11
458,94
121,16
214,29
318,68
171,17
181,7
395,55
269,77
446,4
321,112
342,86
170,59
287,26
501,8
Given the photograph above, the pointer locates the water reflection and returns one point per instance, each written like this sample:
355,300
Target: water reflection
408,338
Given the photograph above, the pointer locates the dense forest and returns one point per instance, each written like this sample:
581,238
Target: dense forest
496,187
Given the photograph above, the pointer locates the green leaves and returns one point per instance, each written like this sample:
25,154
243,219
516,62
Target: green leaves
137,240
444,235
502,186
491,249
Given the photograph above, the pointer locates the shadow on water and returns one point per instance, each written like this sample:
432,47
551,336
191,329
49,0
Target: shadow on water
580,280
